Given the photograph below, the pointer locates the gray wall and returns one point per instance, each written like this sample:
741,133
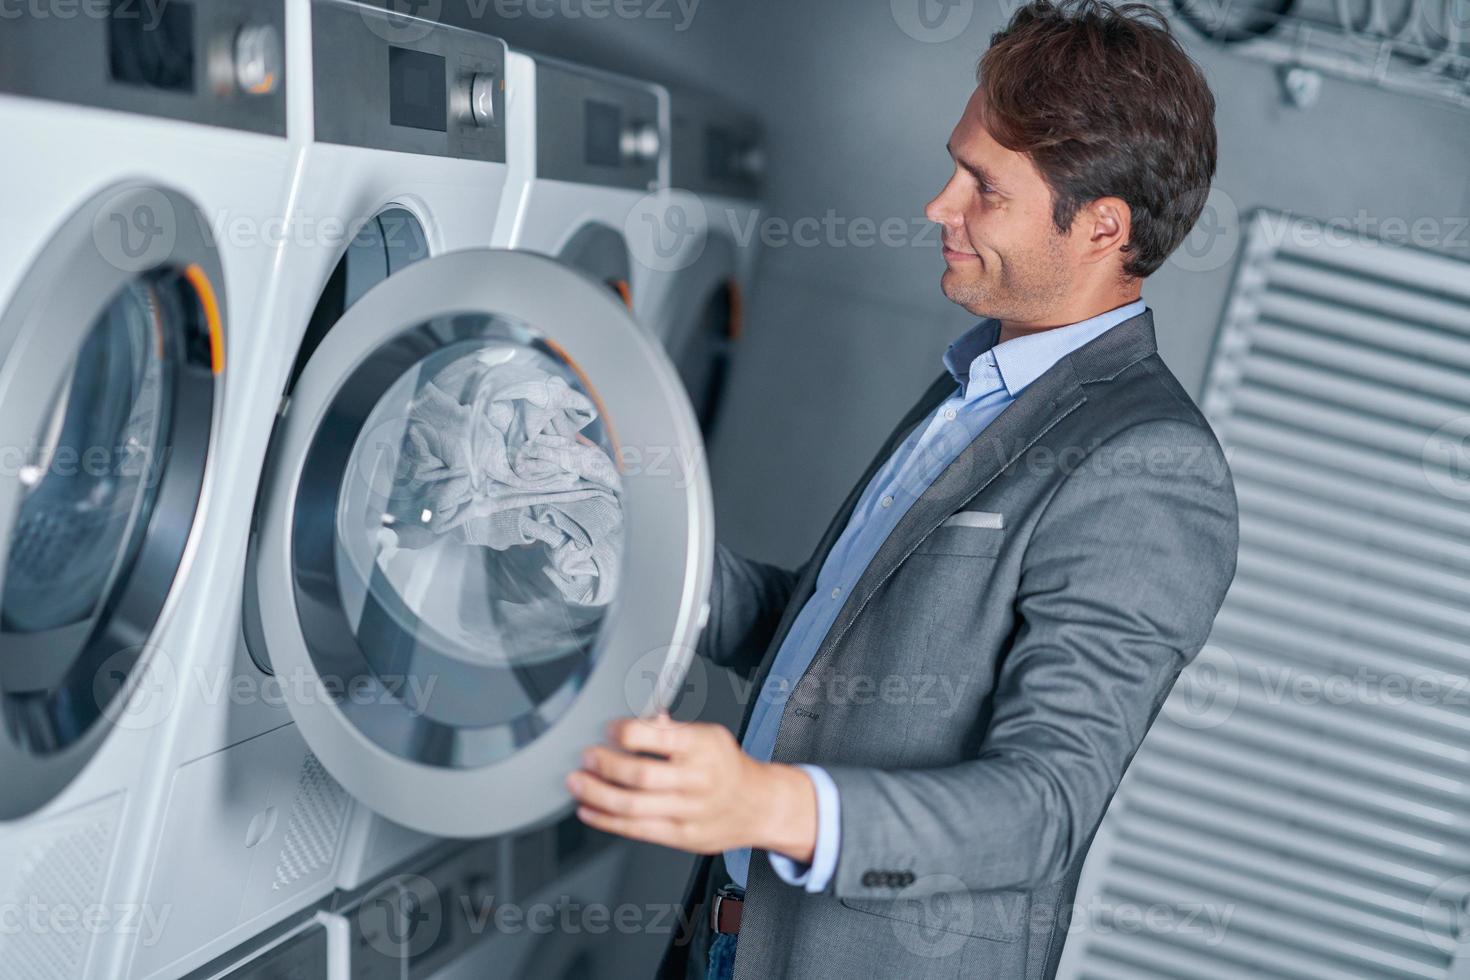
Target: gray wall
842,336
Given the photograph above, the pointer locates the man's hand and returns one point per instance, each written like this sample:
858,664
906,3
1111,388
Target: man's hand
701,793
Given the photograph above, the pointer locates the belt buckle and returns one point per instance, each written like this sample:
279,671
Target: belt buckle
722,893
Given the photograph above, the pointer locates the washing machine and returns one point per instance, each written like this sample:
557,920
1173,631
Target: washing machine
460,544
401,157
709,235
367,719
135,139
589,165
587,149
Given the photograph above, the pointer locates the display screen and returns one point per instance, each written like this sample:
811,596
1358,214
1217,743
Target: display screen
417,96
151,45
604,134
721,151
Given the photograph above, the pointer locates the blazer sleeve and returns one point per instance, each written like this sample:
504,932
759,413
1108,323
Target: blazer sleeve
1119,586
747,599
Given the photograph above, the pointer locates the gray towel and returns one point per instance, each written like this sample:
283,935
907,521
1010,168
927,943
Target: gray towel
495,454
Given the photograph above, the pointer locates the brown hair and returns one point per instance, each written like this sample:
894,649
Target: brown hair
1106,103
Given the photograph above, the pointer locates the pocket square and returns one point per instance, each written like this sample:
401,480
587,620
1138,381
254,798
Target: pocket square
975,518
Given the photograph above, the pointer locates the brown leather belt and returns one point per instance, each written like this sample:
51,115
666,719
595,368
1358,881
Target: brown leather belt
725,908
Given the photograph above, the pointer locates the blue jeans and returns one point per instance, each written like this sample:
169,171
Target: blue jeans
721,958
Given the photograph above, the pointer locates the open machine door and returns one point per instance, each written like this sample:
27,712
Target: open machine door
485,532
110,363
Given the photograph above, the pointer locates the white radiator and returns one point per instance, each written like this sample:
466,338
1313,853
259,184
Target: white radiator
1301,808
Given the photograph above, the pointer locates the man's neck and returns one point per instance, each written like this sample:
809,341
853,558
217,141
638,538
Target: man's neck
1011,329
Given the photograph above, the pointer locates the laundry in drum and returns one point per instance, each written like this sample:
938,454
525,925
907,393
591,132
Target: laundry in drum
494,457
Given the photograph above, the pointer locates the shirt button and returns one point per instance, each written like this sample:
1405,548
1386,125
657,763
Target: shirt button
836,593
887,501
949,414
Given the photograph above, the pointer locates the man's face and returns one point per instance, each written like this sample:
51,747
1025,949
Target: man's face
1005,258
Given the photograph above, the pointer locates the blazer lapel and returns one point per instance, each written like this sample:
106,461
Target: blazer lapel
941,389
1045,402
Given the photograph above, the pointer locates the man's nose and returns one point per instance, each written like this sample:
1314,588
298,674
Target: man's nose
940,212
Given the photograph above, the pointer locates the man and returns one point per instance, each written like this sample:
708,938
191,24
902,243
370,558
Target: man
952,687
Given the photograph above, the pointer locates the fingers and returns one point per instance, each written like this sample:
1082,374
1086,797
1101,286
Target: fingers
660,736
594,791
636,771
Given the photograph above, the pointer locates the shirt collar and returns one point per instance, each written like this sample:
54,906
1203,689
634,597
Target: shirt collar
1021,360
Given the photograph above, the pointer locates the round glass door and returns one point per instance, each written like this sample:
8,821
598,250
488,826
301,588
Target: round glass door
389,242
602,253
477,540
489,524
78,525
108,388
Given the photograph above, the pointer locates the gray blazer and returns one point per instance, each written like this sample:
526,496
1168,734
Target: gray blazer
990,677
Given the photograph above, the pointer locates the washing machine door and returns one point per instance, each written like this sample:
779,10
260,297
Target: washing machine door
601,253
111,352
705,330
486,532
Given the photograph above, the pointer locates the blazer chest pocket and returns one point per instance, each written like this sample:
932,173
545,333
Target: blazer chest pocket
997,915
972,533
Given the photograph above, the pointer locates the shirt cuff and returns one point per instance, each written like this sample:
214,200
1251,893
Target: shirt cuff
815,877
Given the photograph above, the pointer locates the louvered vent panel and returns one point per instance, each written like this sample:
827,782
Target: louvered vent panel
318,817
1302,806
52,874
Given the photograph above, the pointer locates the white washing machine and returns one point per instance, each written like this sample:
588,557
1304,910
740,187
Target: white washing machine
710,234
387,692
125,315
589,164
706,240
401,157
587,148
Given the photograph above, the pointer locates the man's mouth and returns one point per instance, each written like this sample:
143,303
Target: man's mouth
956,255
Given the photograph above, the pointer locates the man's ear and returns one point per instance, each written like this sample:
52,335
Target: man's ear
1103,227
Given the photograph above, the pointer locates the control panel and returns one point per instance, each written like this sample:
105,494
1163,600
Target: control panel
715,150
593,127
217,62
389,81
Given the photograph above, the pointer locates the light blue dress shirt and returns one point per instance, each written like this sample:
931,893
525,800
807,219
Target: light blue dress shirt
990,377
